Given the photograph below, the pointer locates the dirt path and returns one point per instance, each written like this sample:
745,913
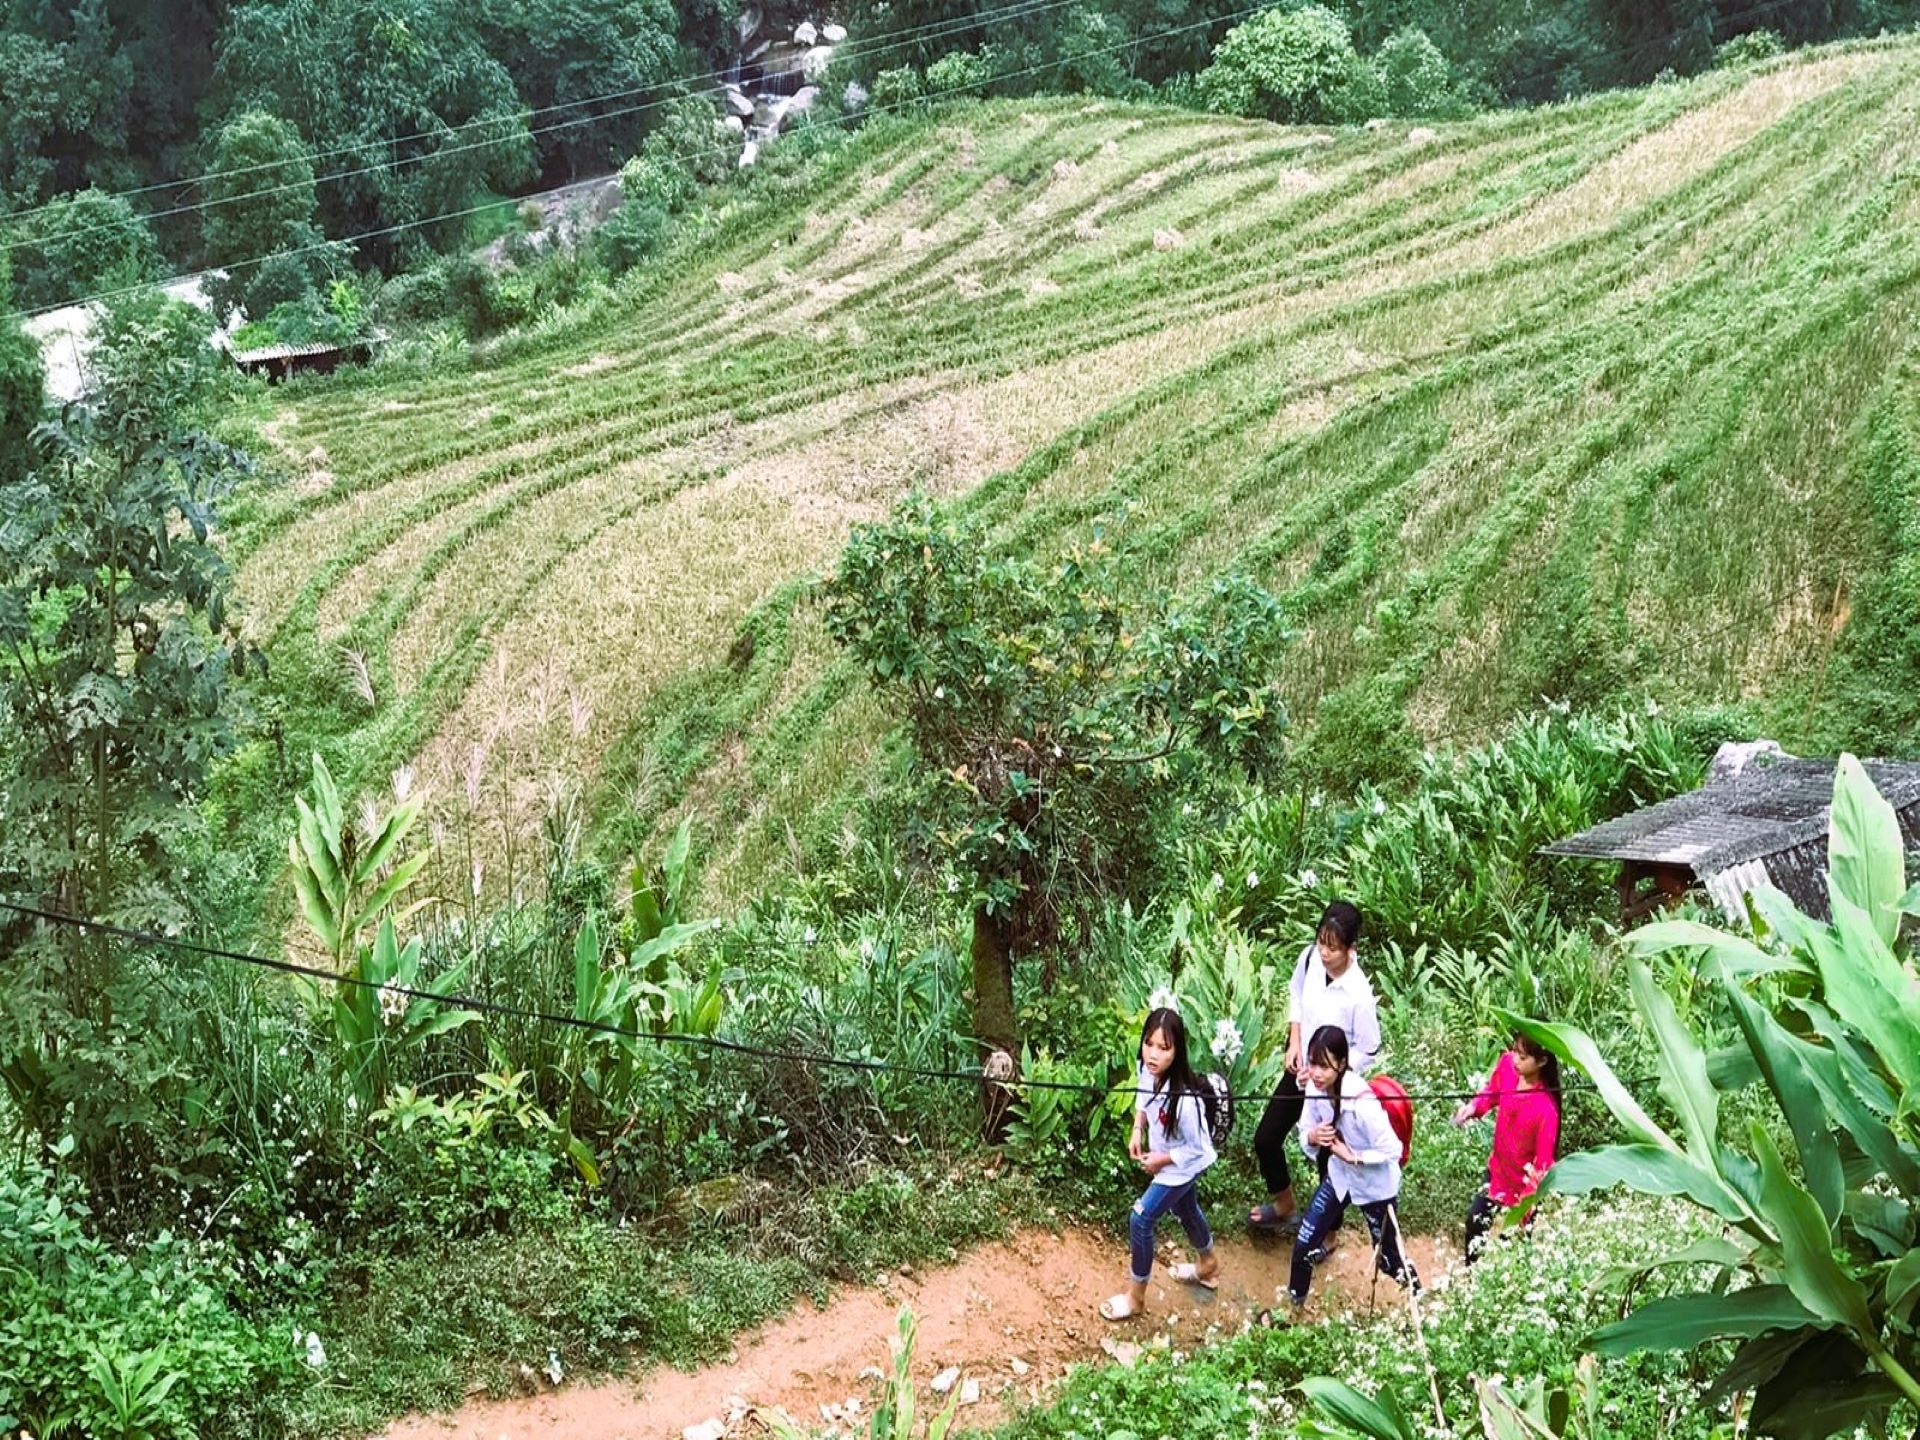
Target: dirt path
1014,1316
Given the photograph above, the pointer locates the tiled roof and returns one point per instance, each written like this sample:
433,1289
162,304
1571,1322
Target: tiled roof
1763,811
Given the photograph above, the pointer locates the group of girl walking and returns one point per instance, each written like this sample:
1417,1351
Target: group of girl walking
1345,1131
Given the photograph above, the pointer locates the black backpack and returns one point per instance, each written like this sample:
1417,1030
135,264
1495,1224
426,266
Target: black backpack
1220,1112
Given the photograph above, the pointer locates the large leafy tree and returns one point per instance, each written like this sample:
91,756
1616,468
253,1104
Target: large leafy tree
1292,66
78,244
394,84
1817,1270
1049,706
564,53
259,201
118,652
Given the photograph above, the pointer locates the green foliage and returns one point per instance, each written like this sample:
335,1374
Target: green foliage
571,53
1748,49
1455,863
961,72
22,388
79,244
96,1342
350,878
1812,1273
1415,76
1047,708
120,655
897,88
364,73
1292,66
688,143
260,199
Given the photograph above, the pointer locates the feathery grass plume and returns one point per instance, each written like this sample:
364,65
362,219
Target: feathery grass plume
359,676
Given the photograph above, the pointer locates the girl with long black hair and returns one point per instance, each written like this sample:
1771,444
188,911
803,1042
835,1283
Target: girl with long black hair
1172,1140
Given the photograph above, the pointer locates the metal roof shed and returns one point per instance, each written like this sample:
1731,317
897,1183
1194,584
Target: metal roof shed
1766,824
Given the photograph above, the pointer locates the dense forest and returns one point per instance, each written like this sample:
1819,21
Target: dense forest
142,138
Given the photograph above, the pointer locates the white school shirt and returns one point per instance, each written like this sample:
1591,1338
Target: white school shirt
1347,1003
1367,1131
1190,1143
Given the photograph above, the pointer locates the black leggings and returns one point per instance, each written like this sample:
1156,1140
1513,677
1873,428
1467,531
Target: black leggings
1279,1120
1480,1217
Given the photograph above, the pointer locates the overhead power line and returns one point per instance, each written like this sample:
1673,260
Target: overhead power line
681,86
726,149
715,1043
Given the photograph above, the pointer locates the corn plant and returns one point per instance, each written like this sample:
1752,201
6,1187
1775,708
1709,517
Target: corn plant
896,1413
1818,1274
619,1004
346,879
133,1393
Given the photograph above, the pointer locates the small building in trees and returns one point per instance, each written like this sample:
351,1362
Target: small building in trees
277,362
1763,823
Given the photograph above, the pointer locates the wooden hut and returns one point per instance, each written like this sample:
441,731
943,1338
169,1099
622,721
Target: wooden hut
276,362
1765,825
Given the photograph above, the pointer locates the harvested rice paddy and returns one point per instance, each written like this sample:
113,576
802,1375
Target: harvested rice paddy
1553,394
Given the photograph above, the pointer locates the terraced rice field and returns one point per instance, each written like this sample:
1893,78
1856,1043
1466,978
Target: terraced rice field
1554,390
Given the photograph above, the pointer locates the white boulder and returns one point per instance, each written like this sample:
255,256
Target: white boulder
805,34
833,34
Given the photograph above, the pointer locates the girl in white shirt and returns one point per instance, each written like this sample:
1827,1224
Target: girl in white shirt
1172,1140
1346,1122
1328,988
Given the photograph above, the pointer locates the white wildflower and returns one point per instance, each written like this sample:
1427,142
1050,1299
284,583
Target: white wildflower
867,948
953,884
1163,998
939,692
316,1352
393,1005
554,1372
1227,1042
1253,879
1379,805
810,936
1309,879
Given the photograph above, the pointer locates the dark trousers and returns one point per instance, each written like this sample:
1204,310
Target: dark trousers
1480,1217
1323,1217
1277,1122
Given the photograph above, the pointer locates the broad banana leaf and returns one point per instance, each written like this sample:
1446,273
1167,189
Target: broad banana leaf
1377,1419
1779,1057
1680,1322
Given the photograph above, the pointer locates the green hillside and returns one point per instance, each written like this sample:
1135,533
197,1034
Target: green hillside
1612,396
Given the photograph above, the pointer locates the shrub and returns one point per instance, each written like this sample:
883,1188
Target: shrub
961,72
1748,49
1290,66
691,140
80,243
655,180
1415,77
897,89
633,233
77,1318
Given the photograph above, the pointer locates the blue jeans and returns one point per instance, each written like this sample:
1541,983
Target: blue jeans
1147,1211
1323,1217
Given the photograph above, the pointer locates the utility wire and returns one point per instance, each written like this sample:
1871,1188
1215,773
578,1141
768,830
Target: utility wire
662,1037
1130,43
909,37
726,149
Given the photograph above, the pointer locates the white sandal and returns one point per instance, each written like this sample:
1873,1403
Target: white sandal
1188,1271
1118,1307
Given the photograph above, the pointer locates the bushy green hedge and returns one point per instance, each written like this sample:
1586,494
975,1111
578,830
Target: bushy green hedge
80,1321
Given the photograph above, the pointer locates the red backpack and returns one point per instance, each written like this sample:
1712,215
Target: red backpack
1394,1100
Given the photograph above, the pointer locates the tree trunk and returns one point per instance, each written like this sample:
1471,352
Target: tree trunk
994,1022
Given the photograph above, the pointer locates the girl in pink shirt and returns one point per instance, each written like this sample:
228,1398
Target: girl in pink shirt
1524,1094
